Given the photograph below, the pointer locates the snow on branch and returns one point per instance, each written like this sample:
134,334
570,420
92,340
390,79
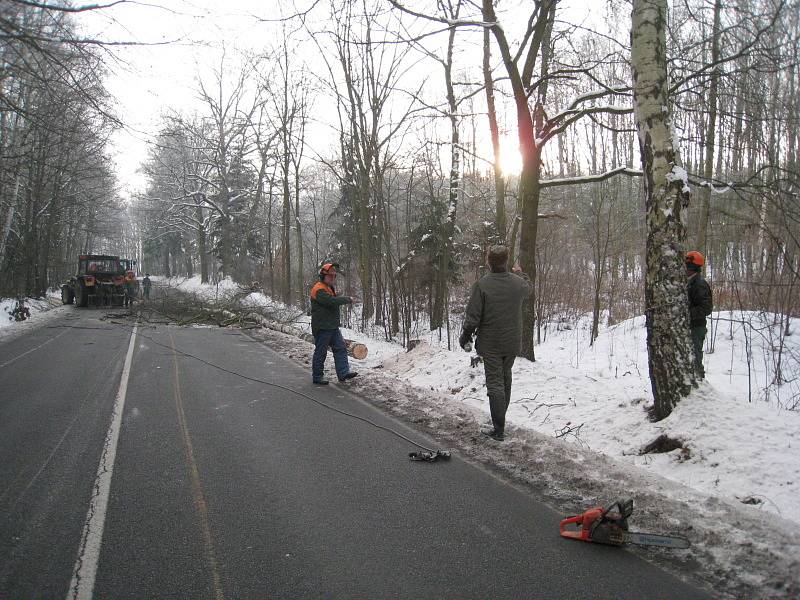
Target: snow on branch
449,22
67,8
590,178
577,101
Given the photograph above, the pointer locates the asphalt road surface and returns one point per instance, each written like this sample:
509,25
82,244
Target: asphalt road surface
129,470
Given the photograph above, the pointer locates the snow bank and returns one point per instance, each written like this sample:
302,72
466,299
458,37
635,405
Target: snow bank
192,285
35,305
41,312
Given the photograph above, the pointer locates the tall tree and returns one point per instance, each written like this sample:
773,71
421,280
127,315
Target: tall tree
667,196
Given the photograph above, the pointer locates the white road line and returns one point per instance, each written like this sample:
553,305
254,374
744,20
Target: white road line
85,570
5,364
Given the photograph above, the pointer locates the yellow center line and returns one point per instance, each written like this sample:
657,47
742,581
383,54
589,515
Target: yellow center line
197,488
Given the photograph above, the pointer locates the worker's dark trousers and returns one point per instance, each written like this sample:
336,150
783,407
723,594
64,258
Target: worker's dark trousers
324,339
498,386
698,337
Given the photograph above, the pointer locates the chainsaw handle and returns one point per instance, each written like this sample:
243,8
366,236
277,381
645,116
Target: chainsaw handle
575,534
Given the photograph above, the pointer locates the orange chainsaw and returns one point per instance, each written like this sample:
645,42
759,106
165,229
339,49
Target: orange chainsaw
610,526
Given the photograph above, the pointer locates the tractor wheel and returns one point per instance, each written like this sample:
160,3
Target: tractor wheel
81,295
67,297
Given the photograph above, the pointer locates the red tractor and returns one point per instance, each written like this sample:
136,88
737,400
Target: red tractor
100,280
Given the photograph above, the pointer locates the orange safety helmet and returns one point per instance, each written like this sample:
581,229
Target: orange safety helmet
693,257
328,269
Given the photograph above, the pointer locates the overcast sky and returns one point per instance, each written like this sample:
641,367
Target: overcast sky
150,79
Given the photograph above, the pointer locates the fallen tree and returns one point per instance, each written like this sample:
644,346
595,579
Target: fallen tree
185,308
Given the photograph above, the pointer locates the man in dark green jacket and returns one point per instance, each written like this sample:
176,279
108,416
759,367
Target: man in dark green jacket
700,306
495,311
325,323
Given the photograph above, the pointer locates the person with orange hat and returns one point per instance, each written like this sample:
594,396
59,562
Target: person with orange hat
700,306
325,323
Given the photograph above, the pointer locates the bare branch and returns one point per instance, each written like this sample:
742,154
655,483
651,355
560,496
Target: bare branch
590,178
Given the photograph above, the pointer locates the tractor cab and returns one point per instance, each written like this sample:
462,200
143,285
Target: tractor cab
99,265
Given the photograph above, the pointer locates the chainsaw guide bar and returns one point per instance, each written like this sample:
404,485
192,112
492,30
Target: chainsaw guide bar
608,526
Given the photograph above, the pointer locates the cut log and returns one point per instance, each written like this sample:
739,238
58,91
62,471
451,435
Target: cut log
356,350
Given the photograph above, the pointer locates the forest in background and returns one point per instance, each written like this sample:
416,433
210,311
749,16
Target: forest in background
382,153
58,194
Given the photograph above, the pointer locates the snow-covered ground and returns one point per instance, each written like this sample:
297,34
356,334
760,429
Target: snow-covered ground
192,285
577,426
40,310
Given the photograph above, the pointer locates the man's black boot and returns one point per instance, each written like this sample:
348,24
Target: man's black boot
349,375
322,382
493,433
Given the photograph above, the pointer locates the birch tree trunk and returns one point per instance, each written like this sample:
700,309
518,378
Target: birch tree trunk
666,198
711,129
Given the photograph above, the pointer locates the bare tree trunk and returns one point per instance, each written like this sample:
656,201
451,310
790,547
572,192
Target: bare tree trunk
201,244
365,246
711,130
499,178
9,220
285,237
667,196
530,142
300,268
447,230
270,253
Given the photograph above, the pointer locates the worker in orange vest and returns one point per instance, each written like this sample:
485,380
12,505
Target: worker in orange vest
325,323
700,306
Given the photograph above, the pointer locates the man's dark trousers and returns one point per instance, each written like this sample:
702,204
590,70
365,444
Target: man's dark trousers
698,337
324,339
498,386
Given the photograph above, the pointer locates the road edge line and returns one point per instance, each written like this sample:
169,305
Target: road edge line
84,572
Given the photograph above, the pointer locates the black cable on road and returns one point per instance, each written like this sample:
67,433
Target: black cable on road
432,456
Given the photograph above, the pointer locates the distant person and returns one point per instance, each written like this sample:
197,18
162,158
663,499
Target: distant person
495,311
146,283
130,288
700,306
325,323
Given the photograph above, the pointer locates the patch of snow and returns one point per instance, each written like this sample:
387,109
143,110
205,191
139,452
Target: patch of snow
679,174
42,311
208,291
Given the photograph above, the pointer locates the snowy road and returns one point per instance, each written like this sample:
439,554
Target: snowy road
224,487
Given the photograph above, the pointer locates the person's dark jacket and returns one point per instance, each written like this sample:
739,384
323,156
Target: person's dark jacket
325,308
495,310
700,300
